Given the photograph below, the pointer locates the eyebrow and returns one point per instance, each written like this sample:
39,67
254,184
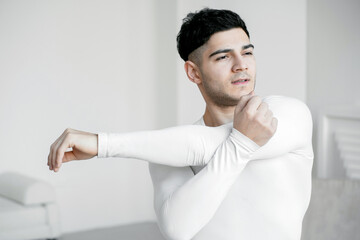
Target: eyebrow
226,50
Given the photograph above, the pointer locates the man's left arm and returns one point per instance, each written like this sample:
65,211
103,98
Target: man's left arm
190,145
195,145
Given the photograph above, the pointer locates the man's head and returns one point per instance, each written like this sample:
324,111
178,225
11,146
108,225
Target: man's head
218,55
197,28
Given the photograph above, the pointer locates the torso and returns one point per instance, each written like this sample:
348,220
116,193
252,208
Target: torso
269,195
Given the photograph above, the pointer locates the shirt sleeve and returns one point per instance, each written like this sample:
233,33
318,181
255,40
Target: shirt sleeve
185,203
294,131
194,145
190,145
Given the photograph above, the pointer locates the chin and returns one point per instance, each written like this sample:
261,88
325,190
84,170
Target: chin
243,92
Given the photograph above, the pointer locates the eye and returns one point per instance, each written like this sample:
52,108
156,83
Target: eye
221,58
248,53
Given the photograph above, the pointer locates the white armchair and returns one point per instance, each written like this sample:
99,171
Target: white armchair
28,209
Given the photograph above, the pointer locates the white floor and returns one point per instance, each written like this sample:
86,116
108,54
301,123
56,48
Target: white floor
139,231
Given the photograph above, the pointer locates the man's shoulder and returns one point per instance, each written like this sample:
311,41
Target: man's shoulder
282,99
286,104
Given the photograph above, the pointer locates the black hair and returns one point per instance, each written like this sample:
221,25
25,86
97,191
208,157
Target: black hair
198,27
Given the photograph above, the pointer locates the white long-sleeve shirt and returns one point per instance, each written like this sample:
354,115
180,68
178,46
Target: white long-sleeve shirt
215,183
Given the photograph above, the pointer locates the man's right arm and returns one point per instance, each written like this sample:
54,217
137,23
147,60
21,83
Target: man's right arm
184,203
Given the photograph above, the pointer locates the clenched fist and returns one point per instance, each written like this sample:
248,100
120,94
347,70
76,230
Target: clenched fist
253,118
83,144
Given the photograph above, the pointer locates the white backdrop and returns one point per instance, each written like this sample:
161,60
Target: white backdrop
333,53
87,65
333,59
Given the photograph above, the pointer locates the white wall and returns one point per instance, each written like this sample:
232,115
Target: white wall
166,60
278,31
333,52
333,55
87,65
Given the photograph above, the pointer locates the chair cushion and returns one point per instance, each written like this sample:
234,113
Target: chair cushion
25,190
16,216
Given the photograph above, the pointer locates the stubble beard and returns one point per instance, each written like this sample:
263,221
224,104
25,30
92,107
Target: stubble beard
221,98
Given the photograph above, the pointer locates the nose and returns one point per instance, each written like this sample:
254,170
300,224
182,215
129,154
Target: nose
239,64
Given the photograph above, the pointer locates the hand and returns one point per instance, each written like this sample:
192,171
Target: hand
254,119
83,144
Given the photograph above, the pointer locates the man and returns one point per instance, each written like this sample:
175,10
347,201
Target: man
249,179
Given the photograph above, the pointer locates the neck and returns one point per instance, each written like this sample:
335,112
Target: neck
215,116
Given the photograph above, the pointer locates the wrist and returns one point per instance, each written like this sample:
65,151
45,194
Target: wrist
102,144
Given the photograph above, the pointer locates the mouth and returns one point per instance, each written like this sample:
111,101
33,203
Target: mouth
240,81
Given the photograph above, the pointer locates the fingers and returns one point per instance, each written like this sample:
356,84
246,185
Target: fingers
254,119
274,124
244,100
58,151
256,107
265,113
53,151
59,155
83,144
252,105
263,109
269,114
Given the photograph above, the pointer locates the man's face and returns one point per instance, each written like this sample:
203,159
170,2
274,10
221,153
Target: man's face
227,68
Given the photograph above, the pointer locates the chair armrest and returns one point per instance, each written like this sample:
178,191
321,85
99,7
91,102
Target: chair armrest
25,190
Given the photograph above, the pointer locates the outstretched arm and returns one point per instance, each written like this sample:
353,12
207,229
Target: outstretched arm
195,145
190,145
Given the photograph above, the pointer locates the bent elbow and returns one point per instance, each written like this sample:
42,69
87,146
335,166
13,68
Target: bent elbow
174,233
174,227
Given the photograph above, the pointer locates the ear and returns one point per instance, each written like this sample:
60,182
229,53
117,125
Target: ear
192,71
